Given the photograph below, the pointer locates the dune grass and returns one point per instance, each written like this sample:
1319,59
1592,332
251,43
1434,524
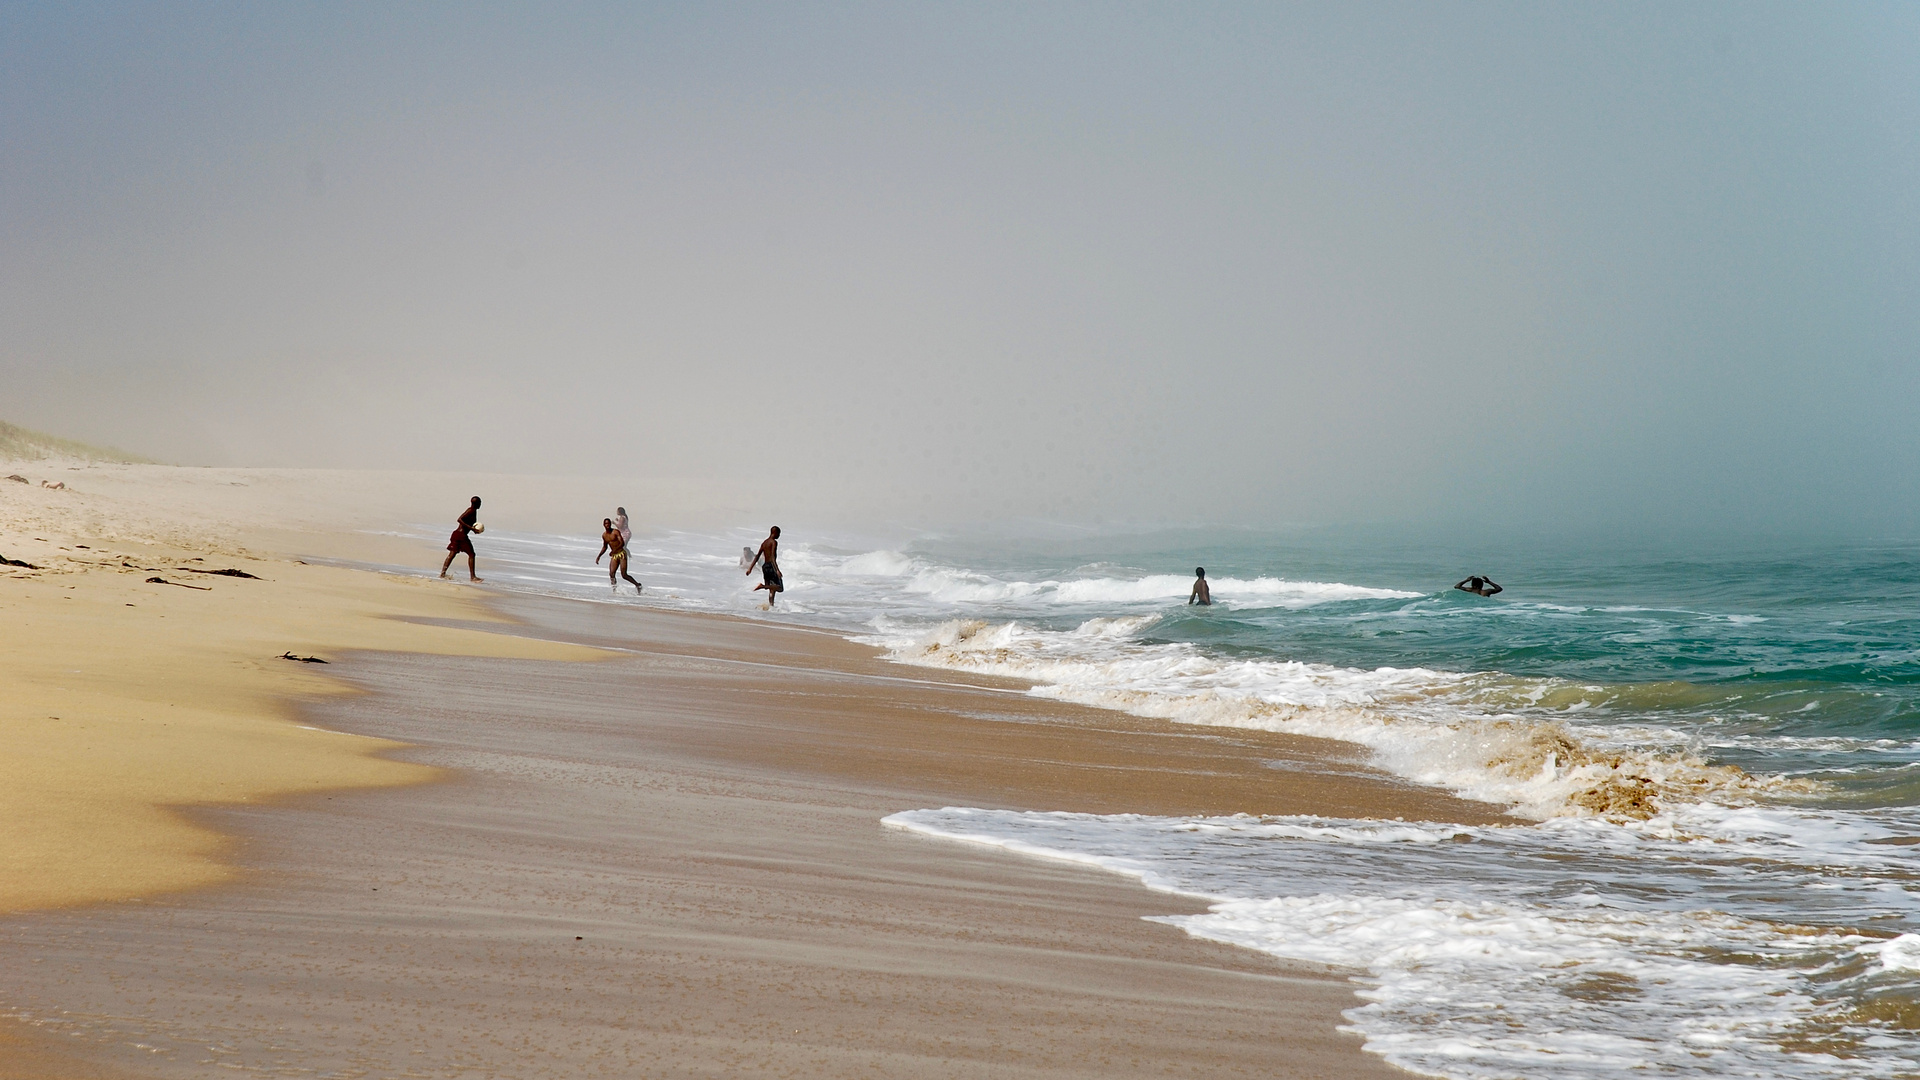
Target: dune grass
24,444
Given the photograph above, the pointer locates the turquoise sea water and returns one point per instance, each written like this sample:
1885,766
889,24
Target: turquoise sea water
1796,660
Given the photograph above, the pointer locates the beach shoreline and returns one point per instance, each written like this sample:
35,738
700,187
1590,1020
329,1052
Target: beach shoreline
1067,942
1053,960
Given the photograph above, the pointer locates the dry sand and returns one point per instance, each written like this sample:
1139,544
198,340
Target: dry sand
126,697
664,862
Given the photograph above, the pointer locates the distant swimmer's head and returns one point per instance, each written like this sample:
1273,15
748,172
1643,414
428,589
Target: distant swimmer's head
1199,571
775,533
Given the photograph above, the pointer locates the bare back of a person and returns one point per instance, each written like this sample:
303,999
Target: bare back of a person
1479,586
768,560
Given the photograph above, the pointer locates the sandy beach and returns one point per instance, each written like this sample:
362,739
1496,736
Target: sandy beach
501,835
1013,541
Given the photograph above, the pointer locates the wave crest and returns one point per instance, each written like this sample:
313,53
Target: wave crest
1419,724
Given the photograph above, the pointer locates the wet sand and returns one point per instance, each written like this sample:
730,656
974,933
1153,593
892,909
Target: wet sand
670,864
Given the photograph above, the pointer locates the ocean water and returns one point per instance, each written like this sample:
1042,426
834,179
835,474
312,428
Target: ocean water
1714,757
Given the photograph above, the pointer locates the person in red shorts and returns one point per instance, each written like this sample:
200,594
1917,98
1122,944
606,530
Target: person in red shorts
461,541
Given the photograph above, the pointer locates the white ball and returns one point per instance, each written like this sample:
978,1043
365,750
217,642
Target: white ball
477,527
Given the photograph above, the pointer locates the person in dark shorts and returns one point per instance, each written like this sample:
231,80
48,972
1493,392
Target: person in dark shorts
768,560
611,539
1478,586
1201,594
461,542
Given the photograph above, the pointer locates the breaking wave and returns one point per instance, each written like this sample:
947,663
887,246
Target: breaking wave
1420,724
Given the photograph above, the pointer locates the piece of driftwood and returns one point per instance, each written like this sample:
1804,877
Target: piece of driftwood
222,573
4,561
302,659
181,584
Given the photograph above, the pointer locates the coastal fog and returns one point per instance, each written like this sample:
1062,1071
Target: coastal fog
1624,264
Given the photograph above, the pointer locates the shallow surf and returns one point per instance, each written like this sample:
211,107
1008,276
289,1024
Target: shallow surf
1721,768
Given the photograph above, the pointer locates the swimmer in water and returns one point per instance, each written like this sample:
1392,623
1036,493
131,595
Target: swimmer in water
1201,594
1478,586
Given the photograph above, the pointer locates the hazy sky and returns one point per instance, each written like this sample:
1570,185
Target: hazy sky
1615,265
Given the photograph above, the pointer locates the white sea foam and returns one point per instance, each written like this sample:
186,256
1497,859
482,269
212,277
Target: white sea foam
1483,962
1419,723
1596,992
949,585
1900,954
